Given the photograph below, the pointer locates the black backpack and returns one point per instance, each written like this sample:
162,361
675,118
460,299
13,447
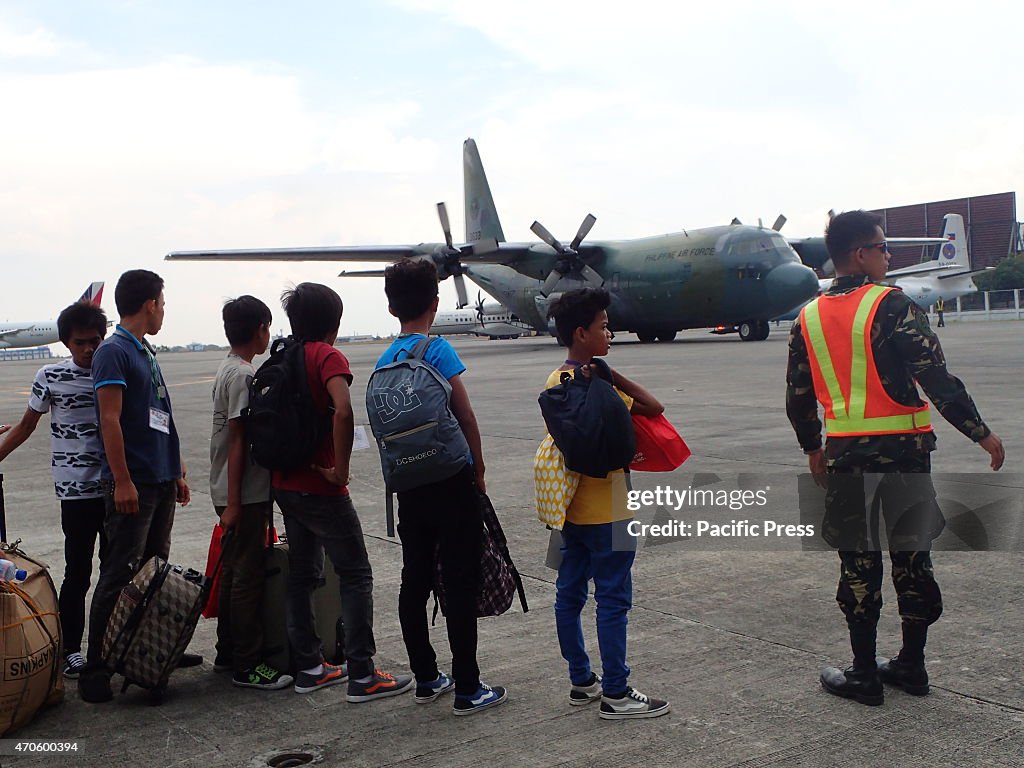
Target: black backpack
282,424
589,422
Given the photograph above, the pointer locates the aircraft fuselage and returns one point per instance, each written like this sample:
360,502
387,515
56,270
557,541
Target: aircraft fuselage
696,279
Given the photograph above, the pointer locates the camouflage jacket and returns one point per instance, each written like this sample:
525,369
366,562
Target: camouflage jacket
905,350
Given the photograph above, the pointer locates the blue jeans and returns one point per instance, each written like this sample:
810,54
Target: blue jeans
587,553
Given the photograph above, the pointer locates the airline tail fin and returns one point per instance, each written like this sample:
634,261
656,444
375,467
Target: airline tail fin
481,215
953,253
93,294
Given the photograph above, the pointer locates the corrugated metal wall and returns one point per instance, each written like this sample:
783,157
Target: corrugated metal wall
991,222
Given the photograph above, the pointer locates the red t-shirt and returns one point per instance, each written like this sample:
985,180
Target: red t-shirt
323,362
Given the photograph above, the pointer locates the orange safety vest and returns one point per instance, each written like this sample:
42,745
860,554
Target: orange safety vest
837,331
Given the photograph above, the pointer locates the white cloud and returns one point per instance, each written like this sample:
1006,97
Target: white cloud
27,44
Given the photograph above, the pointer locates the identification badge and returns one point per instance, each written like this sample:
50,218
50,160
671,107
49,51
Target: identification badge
160,420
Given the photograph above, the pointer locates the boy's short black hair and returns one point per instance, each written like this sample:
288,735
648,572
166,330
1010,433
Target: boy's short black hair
577,309
850,230
314,311
243,318
83,315
411,287
134,288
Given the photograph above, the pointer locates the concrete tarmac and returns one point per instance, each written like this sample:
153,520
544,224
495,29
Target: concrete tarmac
733,635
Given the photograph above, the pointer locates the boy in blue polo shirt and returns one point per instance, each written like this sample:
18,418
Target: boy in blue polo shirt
142,470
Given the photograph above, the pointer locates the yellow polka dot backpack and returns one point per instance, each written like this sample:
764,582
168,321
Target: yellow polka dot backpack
554,485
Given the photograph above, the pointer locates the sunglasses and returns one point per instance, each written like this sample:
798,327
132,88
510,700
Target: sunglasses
883,246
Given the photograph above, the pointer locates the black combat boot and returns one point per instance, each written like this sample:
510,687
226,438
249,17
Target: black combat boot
907,670
860,682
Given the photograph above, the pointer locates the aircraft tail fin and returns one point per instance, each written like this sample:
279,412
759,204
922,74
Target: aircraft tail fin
93,294
953,253
481,215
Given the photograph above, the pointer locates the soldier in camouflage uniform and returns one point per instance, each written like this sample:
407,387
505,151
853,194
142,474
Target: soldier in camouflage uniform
895,467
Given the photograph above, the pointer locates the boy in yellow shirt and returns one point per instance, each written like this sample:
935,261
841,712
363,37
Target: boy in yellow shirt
594,533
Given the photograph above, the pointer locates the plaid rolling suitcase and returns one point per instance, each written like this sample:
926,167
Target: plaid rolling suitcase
152,623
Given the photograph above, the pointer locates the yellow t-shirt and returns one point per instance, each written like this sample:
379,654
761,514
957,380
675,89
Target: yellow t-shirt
593,502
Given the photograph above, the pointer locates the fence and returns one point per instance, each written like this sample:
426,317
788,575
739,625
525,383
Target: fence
987,305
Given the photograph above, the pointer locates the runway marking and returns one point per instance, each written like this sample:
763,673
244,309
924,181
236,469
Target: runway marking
196,381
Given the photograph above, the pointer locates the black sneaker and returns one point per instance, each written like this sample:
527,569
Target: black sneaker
861,685
485,697
379,686
74,663
263,677
585,694
223,663
427,692
632,704
189,660
912,678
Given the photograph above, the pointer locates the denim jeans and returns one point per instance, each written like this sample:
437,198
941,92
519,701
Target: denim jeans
588,553
312,521
131,541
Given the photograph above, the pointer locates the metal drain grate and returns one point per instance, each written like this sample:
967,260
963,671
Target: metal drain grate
290,759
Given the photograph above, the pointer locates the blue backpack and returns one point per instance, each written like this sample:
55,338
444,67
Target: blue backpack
408,403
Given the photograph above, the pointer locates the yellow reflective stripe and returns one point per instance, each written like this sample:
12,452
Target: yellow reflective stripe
905,422
859,362
812,322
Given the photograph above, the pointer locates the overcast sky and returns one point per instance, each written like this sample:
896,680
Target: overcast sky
132,128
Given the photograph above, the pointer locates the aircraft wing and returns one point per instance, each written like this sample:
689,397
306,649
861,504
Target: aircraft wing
12,331
921,269
968,272
480,252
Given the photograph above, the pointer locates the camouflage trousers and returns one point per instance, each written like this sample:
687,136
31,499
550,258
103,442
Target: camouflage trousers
860,587
899,486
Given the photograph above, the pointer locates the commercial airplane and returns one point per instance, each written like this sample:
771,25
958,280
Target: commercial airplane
700,278
15,335
484,319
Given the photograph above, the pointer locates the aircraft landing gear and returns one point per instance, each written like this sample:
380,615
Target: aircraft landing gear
666,335
646,337
753,330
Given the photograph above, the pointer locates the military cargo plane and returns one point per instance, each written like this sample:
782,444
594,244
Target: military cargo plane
701,278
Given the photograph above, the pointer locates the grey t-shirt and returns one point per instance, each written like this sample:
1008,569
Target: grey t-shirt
230,396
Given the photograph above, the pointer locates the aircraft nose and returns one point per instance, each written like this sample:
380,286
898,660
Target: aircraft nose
790,285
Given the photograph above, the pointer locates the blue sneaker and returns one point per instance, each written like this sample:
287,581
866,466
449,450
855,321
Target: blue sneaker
427,692
484,697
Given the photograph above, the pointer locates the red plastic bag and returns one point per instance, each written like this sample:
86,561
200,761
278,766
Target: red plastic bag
211,611
659,448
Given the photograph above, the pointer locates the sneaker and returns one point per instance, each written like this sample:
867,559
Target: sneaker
427,692
632,704
484,697
380,686
74,663
263,677
332,675
223,663
584,694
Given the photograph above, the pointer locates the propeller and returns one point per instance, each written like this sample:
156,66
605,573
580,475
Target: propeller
780,222
568,257
449,259
480,308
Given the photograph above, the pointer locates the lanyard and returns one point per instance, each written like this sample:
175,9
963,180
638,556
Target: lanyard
154,368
